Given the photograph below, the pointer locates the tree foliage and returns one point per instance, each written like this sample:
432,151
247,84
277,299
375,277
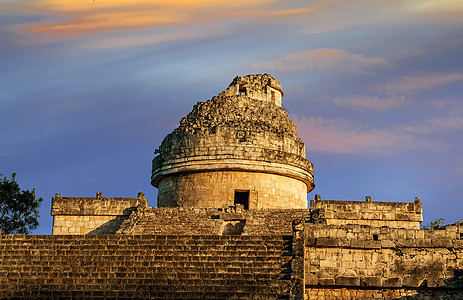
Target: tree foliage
438,224
19,210
434,225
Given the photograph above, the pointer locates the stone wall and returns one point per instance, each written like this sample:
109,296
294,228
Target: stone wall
362,262
371,213
92,215
214,189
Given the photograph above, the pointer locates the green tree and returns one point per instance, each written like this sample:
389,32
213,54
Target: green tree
19,210
438,224
434,225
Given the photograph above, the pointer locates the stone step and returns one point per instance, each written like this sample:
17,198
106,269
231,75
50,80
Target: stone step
186,295
15,271
6,244
128,256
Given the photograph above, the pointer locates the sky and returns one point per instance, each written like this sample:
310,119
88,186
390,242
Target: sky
89,88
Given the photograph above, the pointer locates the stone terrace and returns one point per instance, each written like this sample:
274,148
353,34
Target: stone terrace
156,267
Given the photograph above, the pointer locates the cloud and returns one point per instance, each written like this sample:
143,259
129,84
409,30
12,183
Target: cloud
419,83
435,6
439,125
341,136
347,137
140,39
363,15
85,17
397,93
325,59
371,103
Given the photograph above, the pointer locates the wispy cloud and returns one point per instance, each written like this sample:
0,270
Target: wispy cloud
377,103
435,6
419,83
341,14
342,136
347,137
140,39
439,125
325,59
396,93
84,17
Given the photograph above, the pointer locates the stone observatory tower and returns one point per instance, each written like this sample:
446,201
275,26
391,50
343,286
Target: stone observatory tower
240,147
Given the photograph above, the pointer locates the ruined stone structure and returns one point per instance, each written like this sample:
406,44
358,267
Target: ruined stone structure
376,214
88,215
239,147
232,223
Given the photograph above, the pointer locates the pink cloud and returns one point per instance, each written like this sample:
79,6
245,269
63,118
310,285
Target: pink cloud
343,136
346,137
421,82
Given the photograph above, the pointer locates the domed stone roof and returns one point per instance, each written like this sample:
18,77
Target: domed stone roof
243,128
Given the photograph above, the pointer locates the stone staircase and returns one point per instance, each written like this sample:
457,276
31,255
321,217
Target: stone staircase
207,221
153,220
145,266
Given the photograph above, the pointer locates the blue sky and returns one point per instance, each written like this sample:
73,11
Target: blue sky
89,89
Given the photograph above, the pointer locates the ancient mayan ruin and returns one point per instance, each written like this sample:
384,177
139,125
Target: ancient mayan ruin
233,222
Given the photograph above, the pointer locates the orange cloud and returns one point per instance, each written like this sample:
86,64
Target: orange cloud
324,59
109,21
88,16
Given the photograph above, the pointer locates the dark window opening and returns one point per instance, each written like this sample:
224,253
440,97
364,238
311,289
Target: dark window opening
375,237
461,236
242,197
242,90
273,96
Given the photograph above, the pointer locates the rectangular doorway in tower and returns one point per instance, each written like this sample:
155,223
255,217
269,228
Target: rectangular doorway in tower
242,197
